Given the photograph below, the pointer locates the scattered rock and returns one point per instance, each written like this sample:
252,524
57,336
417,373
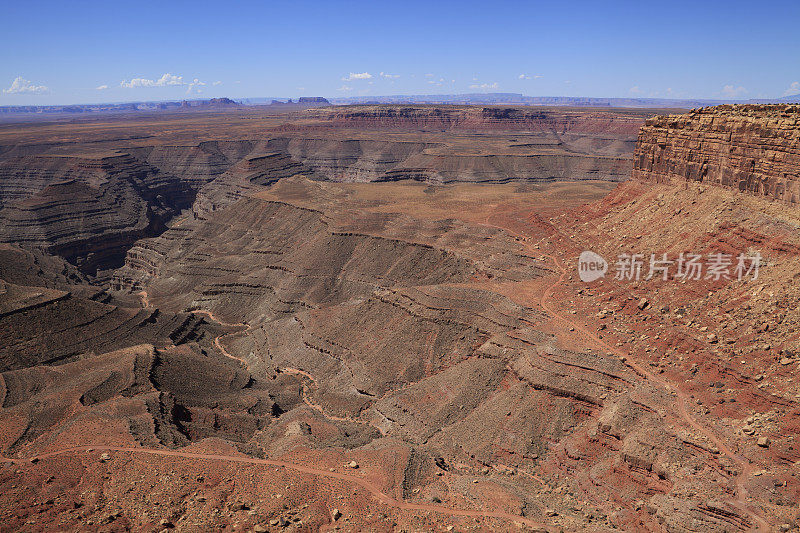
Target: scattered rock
297,428
763,442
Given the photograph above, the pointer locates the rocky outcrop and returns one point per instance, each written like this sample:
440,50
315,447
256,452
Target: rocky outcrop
317,100
750,148
213,103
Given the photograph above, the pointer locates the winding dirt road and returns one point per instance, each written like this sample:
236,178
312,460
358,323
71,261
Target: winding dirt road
246,327
217,343
318,408
367,485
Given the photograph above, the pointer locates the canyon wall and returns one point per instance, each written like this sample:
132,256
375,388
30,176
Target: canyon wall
88,210
477,118
751,148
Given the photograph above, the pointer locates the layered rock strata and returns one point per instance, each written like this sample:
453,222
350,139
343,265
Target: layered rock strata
750,148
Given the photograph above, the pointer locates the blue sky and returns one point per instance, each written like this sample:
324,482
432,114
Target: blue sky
57,52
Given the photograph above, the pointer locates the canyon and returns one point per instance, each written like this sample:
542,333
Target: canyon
94,187
370,318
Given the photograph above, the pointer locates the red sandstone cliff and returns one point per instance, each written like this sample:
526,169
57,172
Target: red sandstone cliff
753,148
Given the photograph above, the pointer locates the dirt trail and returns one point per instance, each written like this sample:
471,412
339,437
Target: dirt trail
246,327
319,408
369,486
745,468
217,339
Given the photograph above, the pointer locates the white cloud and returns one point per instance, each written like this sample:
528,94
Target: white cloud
169,79
793,89
166,80
21,85
344,88
101,87
635,90
357,76
195,83
216,83
301,89
387,75
484,86
527,77
731,91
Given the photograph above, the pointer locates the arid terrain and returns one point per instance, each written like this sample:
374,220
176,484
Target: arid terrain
370,318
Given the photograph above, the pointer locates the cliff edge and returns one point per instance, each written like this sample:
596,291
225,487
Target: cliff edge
752,148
